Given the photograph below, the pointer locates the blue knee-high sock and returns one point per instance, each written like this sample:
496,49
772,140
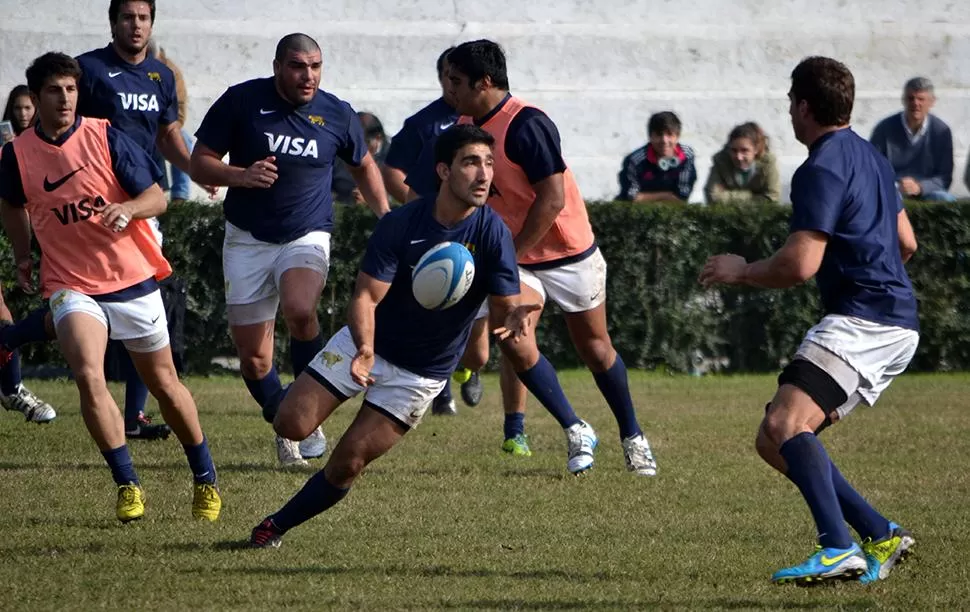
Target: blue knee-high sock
514,424
867,522
122,468
32,328
810,468
316,496
10,377
200,461
266,389
542,382
302,352
615,387
136,392
445,393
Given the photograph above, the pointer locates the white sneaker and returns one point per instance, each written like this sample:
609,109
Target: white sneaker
314,446
288,452
581,440
639,459
32,407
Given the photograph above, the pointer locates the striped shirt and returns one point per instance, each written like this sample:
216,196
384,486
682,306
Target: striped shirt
644,172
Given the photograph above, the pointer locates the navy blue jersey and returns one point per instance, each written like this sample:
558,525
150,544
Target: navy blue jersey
531,142
135,171
430,342
135,98
251,122
419,132
846,190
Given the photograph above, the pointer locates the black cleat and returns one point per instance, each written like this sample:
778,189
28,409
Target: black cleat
147,431
266,535
443,406
472,390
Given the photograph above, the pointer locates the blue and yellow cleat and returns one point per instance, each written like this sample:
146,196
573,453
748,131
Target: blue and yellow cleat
883,555
825,564
517,446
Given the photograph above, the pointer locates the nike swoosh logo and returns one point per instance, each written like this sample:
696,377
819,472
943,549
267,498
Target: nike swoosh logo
417,241
155,319
833,560
49,186
445,126
266,112
112,75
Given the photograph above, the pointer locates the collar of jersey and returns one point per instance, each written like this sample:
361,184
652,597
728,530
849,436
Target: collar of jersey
63,137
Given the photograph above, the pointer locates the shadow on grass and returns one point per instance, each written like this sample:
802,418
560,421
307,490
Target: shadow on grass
431,571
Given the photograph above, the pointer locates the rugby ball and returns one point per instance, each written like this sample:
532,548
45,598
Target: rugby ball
443,276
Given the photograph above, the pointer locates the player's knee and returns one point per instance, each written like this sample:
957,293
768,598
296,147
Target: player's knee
91,383
290,426
475,357
764,446
520,355
597,354
255,367
299,316
343,470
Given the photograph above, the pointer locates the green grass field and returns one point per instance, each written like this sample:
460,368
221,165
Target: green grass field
447,521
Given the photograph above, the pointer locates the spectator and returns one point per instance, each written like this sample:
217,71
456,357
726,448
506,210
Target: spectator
918,145
342,185
663,169
19,110
181,183
744,170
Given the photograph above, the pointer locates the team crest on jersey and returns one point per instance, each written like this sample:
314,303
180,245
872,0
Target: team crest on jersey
331,359
155,77
470,247
139,102
316,120
298,147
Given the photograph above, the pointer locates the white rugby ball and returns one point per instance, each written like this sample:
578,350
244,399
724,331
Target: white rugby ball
443,276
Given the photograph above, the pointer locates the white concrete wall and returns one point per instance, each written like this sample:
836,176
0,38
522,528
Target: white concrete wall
599,68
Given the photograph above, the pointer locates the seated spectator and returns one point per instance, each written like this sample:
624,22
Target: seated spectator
744,170
918,145
377,140
19,110
662,169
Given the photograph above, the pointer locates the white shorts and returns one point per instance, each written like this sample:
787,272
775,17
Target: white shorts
401,395
139,323
252,270
575,287
861,356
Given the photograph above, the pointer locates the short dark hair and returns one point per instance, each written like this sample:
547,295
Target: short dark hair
371,125
457,136
477,59
664,122
17,92
115,7
298,42
442,59
827,86
50,65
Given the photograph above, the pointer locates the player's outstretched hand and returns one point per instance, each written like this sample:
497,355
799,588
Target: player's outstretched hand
260,175
25,276
116,217
723,269
361,366
517,322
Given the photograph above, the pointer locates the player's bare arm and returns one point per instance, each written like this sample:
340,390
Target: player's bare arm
169,142
368,293
394,183
207,167
794,263
549,202
907,237
368,178
16,223
147,204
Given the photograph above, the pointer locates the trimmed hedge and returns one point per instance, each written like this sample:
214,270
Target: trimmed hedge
658,314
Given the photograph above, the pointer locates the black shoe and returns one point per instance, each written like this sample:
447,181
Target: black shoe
148,432
265,535
472,390
443,406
